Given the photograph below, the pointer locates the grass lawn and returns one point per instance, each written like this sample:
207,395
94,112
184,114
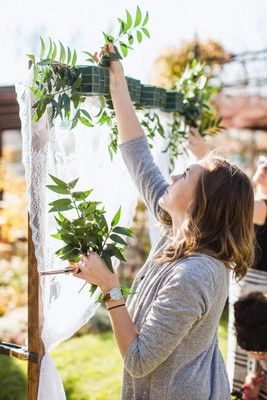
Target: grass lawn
90,367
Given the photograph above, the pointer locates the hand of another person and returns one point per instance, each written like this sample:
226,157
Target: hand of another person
251,388
197,144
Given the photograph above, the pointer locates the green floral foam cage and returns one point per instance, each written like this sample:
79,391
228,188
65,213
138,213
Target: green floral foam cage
153,97
134,86
174,102
95,80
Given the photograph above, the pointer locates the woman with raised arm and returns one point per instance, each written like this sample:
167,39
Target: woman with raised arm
256,278
167,331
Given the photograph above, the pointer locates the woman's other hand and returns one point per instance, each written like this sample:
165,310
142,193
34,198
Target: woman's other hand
251,388
197,144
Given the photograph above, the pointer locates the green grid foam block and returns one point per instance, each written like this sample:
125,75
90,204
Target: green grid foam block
152,96
174,101
134,86
95,80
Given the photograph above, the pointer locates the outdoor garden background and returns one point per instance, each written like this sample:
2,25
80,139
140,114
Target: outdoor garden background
89,363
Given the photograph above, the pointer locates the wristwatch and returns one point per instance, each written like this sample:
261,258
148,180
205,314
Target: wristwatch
113,294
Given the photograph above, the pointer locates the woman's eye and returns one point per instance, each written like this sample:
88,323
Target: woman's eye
184,175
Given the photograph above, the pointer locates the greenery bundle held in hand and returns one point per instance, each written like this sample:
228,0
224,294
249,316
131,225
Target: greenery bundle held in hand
90,230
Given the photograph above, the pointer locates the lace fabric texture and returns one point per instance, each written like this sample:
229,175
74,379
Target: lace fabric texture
66,154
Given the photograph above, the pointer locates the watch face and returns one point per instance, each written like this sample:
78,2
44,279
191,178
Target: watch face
115,294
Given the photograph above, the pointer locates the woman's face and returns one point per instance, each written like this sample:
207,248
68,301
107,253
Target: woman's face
180,194
260,176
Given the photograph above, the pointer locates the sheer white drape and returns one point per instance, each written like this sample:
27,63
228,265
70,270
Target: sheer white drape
66,154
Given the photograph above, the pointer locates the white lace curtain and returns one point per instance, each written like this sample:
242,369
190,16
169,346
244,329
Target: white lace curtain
67,154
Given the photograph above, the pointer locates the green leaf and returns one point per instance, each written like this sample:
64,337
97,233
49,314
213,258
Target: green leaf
60,202
122,27
73,183
62,52
86,122
74,122
58,189
31,57
138,17
129,20
123,231
44,62
62,217
35,75
104,118
61,205
66,102
59,182
50,49
74,58
69,56
116,218
124,48
64,249
81,195
77,83
146,19
42,48
54,53
146,32
56,236
130,39
127,291
116,251
86,113
106,257
108,38
118,239
139,36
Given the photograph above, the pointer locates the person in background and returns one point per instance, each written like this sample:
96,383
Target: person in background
256,277
250,313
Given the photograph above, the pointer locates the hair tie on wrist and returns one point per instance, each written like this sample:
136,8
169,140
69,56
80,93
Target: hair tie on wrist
120,305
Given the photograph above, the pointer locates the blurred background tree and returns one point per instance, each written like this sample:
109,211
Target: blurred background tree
171,63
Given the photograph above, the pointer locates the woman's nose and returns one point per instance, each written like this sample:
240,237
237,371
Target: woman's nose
174,178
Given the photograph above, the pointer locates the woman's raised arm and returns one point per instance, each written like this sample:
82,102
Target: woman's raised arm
128,123
134,147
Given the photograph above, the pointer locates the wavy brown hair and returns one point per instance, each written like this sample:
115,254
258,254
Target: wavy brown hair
219,223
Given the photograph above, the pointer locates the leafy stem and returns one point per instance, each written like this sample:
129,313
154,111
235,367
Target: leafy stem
89,230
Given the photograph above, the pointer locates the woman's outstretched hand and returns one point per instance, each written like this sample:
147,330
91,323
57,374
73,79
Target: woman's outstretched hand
115,66
197,144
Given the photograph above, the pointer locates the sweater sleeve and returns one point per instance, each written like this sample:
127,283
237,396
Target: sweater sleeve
144,172
179,304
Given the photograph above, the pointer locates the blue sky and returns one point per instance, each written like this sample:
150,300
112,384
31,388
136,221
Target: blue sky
238,24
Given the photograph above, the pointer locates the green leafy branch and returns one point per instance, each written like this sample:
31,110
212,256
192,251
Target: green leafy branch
89,230
131,29
57,83
152,126
195,110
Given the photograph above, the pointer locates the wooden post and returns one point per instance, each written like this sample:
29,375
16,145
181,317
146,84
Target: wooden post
35,344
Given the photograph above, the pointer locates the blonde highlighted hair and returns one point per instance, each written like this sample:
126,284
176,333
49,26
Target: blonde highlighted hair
220,221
